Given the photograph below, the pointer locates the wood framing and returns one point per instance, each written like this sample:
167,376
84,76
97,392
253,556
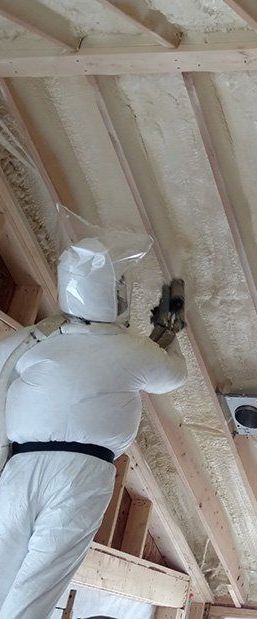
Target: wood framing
246,9
196,611
24,15
146,18
217,526
233,613
25,304
106,531
220,180
137,527
141,482
248,453
117,572
21,251
212,57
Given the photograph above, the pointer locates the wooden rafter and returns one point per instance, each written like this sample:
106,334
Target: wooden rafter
24,14
246,9
145,18
149,59
220,180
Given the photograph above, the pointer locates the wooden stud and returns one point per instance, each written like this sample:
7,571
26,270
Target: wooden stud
67,613
137,527
106,531
246,9
138,60
25,304
226,611
117,572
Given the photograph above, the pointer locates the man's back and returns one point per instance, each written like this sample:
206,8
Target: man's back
85,387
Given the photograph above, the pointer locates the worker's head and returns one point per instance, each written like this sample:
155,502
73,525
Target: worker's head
93,271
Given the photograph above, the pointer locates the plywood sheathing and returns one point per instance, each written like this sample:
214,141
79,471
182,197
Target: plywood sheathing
191,224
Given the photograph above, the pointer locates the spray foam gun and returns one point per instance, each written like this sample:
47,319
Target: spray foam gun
168,317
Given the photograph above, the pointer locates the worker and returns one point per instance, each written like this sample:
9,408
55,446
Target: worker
72,407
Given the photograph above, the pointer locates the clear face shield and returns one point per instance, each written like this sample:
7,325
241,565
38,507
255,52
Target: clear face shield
95,267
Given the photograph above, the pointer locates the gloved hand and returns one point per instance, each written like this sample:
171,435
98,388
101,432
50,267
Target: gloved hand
168,316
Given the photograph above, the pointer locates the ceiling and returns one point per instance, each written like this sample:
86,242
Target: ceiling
175,154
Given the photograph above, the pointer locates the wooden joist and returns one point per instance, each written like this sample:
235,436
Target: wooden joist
216,56
106,531
246,9
137,527
117,572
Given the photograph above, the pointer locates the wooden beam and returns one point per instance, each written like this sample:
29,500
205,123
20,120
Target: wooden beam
247,450
212,57
137,527
246,9
67,613
25,304
106,531
31,17
232,613
117,572
146,19
141,482
221,182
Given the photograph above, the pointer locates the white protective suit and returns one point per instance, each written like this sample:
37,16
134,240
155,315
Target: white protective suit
80,384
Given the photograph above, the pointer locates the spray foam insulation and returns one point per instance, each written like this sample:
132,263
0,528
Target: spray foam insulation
159,129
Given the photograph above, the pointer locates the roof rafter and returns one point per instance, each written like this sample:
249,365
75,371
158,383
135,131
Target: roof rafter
24,15
147,19
246,9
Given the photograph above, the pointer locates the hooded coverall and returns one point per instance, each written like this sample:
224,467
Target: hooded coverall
75,386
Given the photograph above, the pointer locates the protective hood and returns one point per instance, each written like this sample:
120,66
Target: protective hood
93,268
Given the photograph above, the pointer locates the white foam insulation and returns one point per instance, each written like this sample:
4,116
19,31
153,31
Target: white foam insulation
161,140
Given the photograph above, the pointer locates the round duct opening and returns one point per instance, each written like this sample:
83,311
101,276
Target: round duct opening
247,416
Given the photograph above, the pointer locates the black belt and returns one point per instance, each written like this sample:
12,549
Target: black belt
83,448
